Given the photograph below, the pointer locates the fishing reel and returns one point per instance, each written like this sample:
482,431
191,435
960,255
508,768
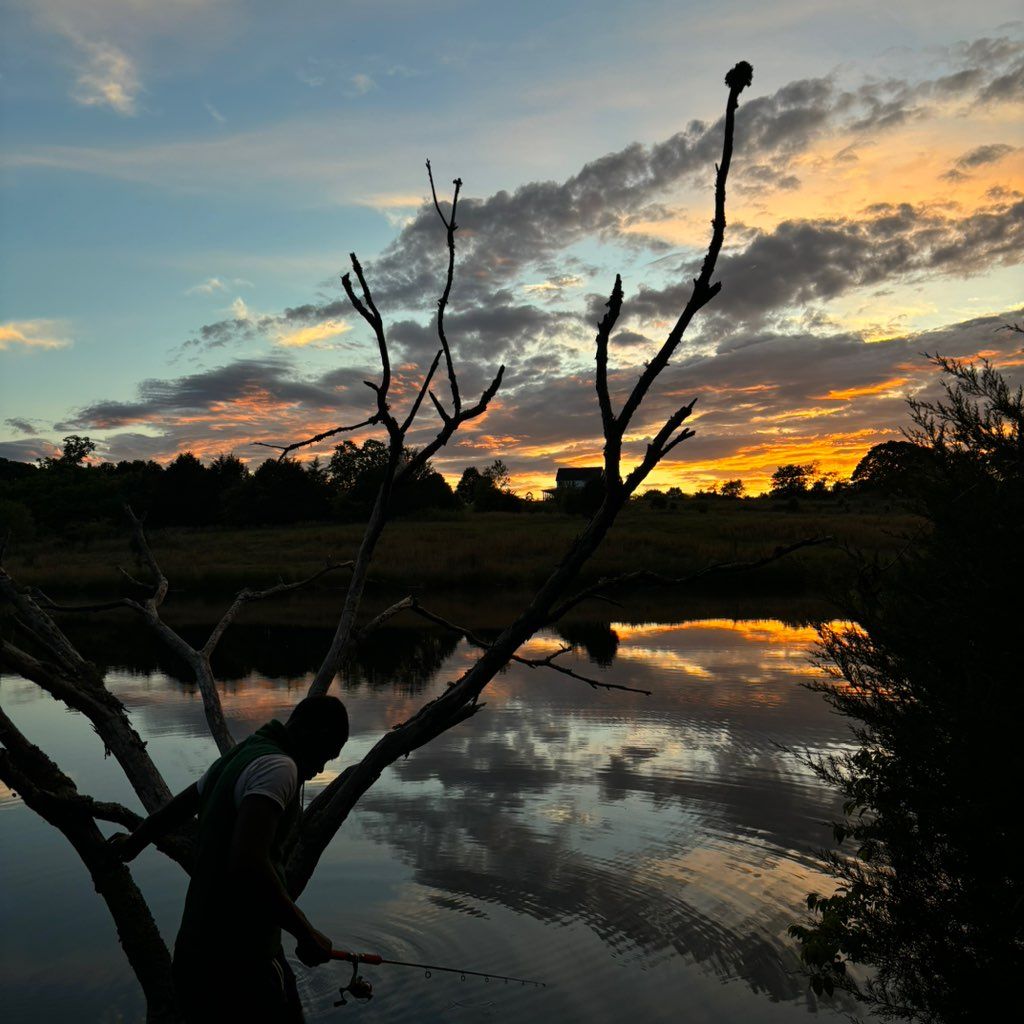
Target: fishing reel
358,987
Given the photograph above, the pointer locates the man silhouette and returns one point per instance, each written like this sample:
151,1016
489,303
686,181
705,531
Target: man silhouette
228,962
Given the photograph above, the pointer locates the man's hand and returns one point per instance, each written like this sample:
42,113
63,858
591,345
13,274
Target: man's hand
122,847
314,949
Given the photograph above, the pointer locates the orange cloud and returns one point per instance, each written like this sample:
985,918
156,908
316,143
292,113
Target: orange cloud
882,388
314,335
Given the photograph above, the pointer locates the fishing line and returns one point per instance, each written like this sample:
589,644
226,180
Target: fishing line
359,988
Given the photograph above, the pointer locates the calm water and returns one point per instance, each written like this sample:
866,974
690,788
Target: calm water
642,855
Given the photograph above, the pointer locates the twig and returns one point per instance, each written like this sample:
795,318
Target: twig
548,662
389,613
287,448
646,576
424,388
51,606
451,424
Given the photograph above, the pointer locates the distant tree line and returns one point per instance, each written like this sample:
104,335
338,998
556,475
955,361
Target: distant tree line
61,494
893,469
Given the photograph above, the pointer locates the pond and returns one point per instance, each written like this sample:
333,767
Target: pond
642,855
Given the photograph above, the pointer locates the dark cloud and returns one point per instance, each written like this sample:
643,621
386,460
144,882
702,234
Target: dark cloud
984,155
977,157
27,450
255,382
20,425
954,175
801,262
992,70
1004,88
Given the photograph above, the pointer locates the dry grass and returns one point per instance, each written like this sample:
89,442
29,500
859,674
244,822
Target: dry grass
483,551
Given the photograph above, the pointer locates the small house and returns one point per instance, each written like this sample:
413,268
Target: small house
567,479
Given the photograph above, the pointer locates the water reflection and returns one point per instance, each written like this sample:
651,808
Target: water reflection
598,639
641,853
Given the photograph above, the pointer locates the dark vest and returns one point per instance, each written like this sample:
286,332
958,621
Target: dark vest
220,918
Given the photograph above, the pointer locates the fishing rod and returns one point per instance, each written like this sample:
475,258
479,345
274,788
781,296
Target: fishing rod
361,989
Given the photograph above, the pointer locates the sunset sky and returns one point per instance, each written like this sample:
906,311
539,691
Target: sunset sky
181,182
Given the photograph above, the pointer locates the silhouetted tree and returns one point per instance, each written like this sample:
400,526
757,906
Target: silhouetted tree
357,472
732,489
76,449
488,491
186,494
469,483
285,491
893,467
498,473
928,861
791,480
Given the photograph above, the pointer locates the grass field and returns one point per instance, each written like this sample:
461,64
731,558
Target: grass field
486,551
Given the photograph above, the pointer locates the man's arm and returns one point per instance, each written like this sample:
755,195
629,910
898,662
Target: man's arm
249,864
175,812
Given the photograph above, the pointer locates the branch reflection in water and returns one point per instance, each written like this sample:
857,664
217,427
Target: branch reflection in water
618,846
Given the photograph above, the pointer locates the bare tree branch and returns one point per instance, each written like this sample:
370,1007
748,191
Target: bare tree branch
389,613
442,304
703,290
604,330
596,590
287,449
546,662
549,662
398,468
424,388
451,424
142,547
52,606
245,596
371,315
54,797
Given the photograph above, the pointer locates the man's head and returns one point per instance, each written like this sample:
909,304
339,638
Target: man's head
318,729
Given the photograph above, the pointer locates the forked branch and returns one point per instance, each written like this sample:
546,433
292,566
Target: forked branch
399,467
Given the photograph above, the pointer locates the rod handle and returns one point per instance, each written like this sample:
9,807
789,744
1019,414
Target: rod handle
357,958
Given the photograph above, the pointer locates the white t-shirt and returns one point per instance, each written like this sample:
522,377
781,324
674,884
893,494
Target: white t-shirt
273,775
